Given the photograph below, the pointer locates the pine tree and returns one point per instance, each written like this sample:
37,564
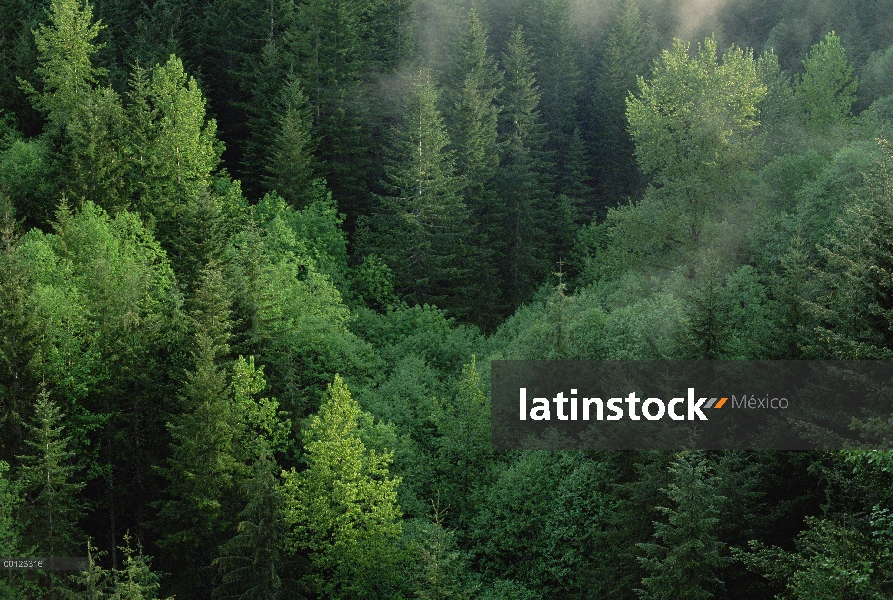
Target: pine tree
440,571
523,178
422,226
684,557
343,509
10,528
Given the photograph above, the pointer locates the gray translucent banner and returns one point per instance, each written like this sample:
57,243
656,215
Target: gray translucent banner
675,405
53,563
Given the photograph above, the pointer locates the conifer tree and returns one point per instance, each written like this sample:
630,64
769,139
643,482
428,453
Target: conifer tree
254,562
475,85
173,148
93,583
136,581
343,509
626,52
203,465
16,338
10,528
289,165
683,559
523,177
66,46
85,122
52,489
422,226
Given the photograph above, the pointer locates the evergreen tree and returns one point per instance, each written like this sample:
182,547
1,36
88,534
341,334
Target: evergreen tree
66,46
135,581
464,456
93,583
440,571
343,509
475,85
173,148
852,302
10,528
254,562
52,489
684,557
523,180
16,338
203,465
85,122
289,163
422,227
626,55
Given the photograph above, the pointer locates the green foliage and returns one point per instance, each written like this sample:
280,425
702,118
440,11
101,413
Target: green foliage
463,449
50,483
627,49
289,166
852,305
827,89
342,509
173,148
422,226
692,122
539,522
66,47
439,569
525,246
683,559
254,562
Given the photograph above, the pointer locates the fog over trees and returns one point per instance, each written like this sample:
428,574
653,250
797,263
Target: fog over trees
257,255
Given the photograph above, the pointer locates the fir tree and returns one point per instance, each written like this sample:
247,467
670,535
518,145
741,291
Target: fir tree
343,508
254,562
52,489
684,557
422,226
523,180
289,166
202,465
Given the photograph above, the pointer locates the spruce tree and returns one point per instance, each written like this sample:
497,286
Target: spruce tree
626,52
289,163
422,226
342,509
53,504
523,178
683,559
202,465
474,87
85,122
254,562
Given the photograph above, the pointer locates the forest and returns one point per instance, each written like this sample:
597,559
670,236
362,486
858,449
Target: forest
256,257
